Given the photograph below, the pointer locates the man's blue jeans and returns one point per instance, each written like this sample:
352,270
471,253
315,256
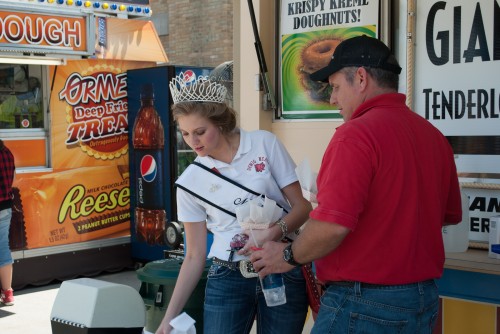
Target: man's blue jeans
410,308
233,302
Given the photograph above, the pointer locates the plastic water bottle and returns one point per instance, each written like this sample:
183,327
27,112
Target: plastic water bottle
456,237
273,288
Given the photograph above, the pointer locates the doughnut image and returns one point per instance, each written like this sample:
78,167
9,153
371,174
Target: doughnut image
318,54
314,56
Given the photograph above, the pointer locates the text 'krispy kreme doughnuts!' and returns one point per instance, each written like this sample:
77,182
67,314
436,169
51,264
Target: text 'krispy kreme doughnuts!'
318,54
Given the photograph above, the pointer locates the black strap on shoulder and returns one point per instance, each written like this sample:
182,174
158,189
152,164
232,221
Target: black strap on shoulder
226,179
232,214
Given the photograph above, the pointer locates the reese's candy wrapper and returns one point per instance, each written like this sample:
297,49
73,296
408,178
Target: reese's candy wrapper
76,205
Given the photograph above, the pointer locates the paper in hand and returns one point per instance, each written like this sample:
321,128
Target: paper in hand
258,213
307,180
183,324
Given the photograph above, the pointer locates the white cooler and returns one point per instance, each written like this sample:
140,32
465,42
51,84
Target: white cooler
86,305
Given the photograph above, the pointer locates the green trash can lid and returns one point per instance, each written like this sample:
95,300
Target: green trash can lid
165,269
160,269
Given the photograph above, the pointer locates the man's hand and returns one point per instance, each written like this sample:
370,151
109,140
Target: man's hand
258,237
269,259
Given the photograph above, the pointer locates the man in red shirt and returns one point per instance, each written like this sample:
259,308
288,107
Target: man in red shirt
386,186
7,169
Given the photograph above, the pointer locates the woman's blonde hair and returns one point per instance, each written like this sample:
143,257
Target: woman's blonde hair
219,114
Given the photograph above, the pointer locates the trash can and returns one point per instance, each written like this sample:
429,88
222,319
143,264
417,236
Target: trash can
158,280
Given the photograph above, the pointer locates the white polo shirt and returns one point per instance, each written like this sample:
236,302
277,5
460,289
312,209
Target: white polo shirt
261,164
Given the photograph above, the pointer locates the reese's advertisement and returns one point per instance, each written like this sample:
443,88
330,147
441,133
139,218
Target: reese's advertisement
86,196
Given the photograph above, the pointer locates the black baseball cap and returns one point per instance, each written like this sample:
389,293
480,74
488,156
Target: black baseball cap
357,51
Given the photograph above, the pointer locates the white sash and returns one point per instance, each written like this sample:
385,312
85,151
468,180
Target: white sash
214,188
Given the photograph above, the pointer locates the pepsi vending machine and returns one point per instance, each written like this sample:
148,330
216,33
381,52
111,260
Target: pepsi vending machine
157,155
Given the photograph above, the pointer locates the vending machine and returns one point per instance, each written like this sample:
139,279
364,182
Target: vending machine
157,155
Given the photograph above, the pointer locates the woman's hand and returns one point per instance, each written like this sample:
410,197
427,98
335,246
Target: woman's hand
190,273
164,327
257,238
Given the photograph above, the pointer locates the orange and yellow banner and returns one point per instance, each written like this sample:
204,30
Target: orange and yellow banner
86,196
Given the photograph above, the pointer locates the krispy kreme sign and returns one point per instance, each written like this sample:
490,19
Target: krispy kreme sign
35,32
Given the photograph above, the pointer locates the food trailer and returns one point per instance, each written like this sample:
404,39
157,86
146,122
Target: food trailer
63,113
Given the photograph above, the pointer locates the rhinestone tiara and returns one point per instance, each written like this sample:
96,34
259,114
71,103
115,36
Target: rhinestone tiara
186,87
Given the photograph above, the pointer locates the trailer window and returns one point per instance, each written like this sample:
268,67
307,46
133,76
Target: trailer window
21,104
23,114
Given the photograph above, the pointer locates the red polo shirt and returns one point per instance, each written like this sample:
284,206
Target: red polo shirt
389,176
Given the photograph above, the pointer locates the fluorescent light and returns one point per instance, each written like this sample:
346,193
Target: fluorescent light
32,60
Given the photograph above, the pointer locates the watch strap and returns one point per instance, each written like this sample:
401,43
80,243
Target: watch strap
288,255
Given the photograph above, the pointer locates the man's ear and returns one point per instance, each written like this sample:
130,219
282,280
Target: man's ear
361,77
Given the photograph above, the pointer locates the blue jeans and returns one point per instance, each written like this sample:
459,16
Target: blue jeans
5,254
232,302
409,308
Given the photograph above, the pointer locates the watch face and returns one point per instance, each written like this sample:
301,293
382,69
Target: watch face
287,254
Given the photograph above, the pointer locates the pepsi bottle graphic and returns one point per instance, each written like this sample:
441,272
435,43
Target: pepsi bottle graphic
148,140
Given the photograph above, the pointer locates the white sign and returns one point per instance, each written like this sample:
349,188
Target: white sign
310,15
457,62
483,204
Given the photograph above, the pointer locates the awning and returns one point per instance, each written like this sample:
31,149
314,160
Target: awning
131,40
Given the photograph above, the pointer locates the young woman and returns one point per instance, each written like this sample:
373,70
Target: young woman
258,161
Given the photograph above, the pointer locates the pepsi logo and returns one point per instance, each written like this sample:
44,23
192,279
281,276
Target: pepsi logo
149,168
189,77
25,123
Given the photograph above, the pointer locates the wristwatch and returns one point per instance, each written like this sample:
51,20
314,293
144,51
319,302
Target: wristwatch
288,256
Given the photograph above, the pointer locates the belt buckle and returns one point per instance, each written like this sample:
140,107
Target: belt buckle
247,270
